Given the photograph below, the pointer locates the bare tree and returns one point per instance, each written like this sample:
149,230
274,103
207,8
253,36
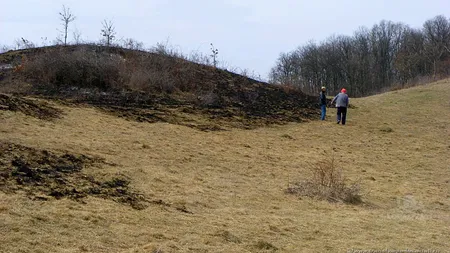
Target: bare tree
77,36
66,16
4,48
286,70
214,53
437,39
44,41
23,44
108,32
199,57
132,44
412,60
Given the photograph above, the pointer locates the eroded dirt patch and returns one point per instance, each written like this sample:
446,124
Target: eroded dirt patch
37,109
44,175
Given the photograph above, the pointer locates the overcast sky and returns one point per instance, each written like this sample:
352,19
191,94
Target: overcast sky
249,34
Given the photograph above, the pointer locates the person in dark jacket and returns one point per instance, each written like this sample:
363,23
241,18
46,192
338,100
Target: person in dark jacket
342,101
323,102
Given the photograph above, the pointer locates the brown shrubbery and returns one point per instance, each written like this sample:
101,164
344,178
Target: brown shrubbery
327,183
113,69
103,68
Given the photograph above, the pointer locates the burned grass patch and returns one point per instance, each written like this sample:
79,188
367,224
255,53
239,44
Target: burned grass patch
45,175
33,108
150,87
208,119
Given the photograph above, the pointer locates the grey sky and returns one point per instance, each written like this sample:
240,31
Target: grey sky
249,34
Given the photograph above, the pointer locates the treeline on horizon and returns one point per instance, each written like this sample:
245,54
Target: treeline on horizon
389,55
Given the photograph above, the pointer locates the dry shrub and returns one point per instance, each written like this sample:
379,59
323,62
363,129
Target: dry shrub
91,69
289,88
138,80
150,81
209,99
96,67
13,86
327,183
82,67
158,73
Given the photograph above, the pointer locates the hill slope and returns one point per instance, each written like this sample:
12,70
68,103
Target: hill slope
152,87
124,186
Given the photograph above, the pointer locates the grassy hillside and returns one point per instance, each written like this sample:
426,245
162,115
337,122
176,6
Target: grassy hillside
84,180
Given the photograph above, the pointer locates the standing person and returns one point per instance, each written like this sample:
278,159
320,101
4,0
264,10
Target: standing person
341,100
323,102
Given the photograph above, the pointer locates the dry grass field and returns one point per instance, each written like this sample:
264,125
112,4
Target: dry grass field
224,191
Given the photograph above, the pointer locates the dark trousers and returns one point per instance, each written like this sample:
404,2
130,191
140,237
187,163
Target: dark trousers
341,115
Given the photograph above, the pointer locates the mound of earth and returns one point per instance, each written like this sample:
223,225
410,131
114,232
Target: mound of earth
150,87
42,175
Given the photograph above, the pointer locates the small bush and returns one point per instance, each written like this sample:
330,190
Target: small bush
327,183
